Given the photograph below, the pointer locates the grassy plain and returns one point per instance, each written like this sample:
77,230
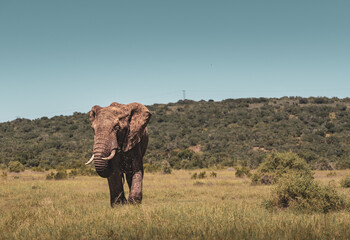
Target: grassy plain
174,207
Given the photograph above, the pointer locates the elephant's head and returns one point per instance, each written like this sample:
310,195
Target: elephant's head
117,127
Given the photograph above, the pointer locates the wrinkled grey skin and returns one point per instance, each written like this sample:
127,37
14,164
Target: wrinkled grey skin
123,128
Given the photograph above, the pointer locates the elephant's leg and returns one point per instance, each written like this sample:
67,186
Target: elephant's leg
129,179
136,176
135,195
115,183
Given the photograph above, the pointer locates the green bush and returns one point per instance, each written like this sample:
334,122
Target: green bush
343,164
302,193
62,174
73,172
50,176
323,165
166,169
83,171
38,169
15,166
90,172
275,165
345,182
163,167
256,178
242,171
202,175
151,168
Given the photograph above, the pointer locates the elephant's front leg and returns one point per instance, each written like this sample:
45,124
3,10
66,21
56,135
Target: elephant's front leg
135,185
135,176
116,188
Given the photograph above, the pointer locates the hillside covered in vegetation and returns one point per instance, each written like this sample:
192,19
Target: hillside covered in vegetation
190,134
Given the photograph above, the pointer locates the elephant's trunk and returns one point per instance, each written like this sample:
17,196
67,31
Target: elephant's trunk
102,166
101,152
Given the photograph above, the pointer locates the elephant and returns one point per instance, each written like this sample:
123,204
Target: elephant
120,142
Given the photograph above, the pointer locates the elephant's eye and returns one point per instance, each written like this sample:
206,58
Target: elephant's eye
116,127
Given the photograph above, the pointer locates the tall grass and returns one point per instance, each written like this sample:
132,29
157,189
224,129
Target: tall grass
174,207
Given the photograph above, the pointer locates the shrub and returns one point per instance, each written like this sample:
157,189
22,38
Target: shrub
323,165
89,172
83,171
166,169
37,169
61,174
3,166
275,165
242,171
151,168
50,176
4,174
342,164
163,167
15,166
303,101
202,175
73,172
213,174
345,182
256,178
301,192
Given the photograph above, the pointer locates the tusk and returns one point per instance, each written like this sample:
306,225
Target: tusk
110,156
90,161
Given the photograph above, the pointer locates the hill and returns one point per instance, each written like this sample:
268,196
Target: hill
190,134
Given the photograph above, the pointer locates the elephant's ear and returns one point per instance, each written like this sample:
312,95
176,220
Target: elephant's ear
138,120
93,112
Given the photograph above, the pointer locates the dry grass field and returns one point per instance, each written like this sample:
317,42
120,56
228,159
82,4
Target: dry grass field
174,207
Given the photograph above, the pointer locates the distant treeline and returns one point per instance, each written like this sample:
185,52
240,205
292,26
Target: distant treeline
190,134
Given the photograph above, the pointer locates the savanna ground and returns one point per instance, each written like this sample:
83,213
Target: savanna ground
174,207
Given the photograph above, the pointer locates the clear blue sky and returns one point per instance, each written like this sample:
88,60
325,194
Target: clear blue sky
57,57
